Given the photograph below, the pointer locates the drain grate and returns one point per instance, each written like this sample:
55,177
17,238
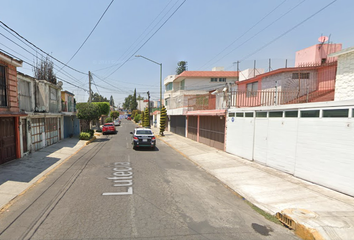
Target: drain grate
286,220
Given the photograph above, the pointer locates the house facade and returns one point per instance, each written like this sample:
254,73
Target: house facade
196,102
40,100
71,124
10,146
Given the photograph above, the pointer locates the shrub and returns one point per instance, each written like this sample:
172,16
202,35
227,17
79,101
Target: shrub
90,131
109,119
85,136
137,118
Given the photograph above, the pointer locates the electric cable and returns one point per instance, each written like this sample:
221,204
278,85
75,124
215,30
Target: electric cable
40,48
87,36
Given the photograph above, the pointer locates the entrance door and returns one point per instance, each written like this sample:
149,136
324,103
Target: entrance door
7,140
24,135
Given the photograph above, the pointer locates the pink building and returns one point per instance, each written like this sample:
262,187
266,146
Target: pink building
316,54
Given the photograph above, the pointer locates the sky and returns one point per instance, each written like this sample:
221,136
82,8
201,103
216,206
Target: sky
204,33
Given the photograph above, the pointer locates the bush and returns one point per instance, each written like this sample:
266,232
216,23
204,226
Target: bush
90,131
137,118
108,120
85,136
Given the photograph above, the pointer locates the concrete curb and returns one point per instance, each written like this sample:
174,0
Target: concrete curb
90,141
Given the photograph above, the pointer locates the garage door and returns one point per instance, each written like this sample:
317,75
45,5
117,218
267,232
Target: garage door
7,140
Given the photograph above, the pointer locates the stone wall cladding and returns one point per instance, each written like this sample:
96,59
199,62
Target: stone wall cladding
344,89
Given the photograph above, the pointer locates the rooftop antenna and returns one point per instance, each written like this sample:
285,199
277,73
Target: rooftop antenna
322,40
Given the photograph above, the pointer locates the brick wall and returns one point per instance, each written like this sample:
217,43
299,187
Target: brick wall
11,85
344,89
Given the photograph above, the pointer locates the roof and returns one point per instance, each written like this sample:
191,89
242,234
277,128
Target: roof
342,52
10,60
196,74
283,70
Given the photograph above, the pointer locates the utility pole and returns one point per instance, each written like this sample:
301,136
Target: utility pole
89,87
148,93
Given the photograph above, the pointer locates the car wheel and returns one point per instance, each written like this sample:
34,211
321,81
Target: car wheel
104,133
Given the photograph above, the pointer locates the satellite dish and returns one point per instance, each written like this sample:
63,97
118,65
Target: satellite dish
323,39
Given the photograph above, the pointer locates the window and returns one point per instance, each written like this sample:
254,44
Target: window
261,114
169,87
222,79
301,76
252,89
310,114
231,114
24,95
249,114
239,114
275,114
343,113
182,84
3,97
213,79
289,114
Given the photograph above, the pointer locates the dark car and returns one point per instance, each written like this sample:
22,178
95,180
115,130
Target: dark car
108,128
143,137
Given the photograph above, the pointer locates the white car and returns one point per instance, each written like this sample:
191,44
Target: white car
117,122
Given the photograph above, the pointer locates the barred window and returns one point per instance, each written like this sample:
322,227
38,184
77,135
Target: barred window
301,76
3,97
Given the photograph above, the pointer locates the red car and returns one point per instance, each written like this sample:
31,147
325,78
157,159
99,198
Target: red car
108,128
129,118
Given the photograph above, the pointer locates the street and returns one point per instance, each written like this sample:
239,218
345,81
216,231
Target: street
110,191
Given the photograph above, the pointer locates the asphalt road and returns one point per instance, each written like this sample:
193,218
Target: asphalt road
110,191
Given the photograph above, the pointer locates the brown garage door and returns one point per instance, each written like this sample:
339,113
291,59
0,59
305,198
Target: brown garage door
7,140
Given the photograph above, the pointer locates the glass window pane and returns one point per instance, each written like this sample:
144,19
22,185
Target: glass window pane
249,114
239,114
275,114
310,113
261,114
336,113
291,114
231,114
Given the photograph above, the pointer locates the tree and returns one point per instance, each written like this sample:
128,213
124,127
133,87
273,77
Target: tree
139,97
134,104
103,107
130,103
163,120
111,101
114,114
146,120
181,67
95,97
43,70
87,112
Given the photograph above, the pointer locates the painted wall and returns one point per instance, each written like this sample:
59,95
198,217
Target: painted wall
344,87
317,149
314,54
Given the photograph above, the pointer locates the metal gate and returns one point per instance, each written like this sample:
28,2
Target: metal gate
37,133
178,125
51,131
24,135
192,127
7,140
212,131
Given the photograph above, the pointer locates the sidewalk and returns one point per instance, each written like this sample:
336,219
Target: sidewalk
20,174
312,211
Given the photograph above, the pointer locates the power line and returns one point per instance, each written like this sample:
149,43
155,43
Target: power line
40,49
88,35
245,33
281,35
147,39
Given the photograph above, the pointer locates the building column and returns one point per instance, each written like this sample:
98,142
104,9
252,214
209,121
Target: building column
198,128
18,137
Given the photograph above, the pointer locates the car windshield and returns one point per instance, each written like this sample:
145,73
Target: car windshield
108,125
143,132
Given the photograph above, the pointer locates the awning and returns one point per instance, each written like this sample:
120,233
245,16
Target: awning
207,113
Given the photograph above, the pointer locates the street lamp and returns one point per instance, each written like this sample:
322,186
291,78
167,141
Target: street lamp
160,76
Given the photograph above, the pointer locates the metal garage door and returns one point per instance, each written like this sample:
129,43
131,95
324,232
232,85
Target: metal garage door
178,125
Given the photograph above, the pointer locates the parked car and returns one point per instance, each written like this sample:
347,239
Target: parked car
117,122
143,137
129,118
108,128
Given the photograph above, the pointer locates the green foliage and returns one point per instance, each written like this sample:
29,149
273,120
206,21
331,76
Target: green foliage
85,136
111,101
137,118
181,67
88,112
114,114
142,117
146,120
134,113
95,97
134,103
163,120
130,102
103,107
90,131
108,120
